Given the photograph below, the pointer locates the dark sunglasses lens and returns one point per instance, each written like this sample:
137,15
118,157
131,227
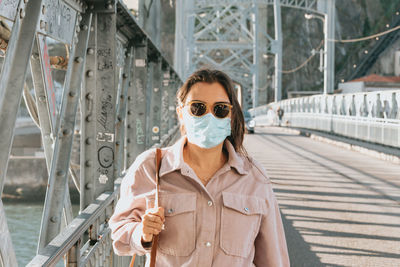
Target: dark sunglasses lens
198,109
221,111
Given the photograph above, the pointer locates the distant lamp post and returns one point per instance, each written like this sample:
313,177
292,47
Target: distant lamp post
323,65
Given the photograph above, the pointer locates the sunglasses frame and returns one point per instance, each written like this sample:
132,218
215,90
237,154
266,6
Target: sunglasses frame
208,107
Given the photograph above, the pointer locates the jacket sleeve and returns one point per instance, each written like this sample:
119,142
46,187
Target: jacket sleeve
270,243
125,222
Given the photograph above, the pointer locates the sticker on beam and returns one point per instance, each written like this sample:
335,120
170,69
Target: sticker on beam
140,63
103,179
105,137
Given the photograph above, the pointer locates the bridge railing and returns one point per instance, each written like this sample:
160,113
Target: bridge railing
116,98
372,116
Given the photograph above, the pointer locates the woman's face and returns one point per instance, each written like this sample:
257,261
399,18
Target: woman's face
208,93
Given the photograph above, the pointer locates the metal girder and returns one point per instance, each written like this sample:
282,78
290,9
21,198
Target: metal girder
309,5
121,115
12,76
136,122
7,255
173,86
42,104
279,52
154,94
165,95
56,191
99,108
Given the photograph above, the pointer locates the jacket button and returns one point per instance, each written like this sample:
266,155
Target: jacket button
210,203
246,209
208,244
170,210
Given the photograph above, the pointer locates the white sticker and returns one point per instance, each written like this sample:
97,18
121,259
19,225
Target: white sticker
103,178
155,129
140,63
156,89
105,137
155,138
171,108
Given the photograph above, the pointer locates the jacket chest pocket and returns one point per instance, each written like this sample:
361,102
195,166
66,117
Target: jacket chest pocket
179,236
240,223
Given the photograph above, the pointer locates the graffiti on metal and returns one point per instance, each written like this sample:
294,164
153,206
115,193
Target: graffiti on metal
140,91
140,138
8,9
58,21
106,110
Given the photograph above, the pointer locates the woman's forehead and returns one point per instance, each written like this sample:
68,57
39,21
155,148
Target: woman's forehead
207,92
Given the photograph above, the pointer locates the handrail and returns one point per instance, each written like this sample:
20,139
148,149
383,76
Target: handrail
68,237
367,116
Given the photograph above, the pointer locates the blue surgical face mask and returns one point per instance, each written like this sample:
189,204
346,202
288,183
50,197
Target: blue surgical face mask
206,131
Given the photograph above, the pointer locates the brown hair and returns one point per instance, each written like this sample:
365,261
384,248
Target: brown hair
237,119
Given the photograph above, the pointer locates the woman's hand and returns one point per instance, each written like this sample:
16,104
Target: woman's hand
152,223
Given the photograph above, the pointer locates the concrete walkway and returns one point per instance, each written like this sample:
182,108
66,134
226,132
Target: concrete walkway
339,207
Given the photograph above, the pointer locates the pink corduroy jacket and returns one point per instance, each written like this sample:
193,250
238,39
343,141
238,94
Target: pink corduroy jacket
233,221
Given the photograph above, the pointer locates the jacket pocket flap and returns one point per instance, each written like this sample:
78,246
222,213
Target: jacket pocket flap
244,204
174,204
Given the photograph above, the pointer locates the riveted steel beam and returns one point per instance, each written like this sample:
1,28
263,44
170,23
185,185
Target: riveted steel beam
121,115
12,76
55,195
154,95
165,96
99,107
136,121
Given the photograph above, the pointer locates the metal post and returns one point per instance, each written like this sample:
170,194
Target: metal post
154,90
190,39
278,53
99,108
55,195
256,55
165,96
150,19
178,57
120,126
47,111
13,75
262,64
136,121
12,79
42,104
173,87
329,36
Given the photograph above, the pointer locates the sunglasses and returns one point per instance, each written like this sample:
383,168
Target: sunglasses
198,108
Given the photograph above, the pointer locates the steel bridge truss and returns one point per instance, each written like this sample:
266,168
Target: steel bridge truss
232,36
118,99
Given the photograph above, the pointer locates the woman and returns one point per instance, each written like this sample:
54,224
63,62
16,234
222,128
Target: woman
217,207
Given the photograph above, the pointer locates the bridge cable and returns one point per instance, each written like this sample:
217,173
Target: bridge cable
304,63
367,37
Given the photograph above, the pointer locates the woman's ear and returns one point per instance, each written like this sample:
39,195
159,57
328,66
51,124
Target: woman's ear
179,113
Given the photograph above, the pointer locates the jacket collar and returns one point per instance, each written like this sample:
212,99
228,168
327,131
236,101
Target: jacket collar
173,158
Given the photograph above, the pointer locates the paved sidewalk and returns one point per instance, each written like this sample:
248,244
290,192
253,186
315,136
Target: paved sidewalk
339,207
